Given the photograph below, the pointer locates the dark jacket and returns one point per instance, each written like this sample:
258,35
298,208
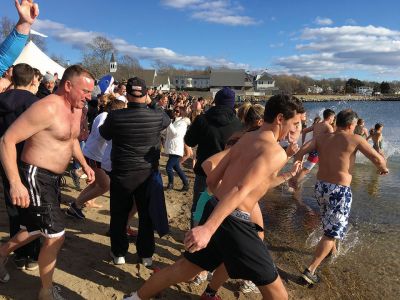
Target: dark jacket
12,104
42,91
210,132
135,133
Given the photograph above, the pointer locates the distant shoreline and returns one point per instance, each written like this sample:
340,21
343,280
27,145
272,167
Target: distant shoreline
325,98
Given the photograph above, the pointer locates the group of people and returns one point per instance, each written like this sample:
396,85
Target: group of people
239,157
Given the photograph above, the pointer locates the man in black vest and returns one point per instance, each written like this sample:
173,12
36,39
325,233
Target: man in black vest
135,133
12,104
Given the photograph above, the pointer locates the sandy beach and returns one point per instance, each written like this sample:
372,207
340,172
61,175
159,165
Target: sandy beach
85,271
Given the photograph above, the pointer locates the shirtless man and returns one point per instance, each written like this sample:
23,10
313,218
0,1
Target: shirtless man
244,174
312,159
337,152
50,128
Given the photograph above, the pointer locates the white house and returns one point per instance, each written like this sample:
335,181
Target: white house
315,89
195,81
264,82
364,90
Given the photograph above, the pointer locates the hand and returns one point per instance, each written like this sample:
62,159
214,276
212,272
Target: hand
383,172
292,149
197,238
19,195
27,11
89,173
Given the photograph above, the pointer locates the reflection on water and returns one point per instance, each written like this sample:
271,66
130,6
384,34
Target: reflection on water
368,264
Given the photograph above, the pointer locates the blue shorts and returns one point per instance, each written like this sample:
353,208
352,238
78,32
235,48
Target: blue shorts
335,203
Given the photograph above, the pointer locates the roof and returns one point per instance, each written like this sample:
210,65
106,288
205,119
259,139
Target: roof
112,58
265,77
227,77
147,75
161,79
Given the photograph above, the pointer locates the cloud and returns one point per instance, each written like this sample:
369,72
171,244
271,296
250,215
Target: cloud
214,11
323,21
334,50
277,45
78,39
351,22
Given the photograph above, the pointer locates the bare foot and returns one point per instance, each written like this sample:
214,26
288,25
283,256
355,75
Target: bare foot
93,204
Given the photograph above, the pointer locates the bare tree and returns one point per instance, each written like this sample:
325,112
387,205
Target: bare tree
127,67
97,55
60,60
6,26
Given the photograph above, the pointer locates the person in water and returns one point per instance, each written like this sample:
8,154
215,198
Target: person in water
377,138
361,129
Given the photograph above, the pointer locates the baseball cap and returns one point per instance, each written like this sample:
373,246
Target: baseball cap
136,87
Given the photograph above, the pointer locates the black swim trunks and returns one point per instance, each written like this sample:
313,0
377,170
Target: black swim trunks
236,244
44,214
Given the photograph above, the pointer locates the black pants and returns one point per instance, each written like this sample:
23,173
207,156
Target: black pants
33,248
124,188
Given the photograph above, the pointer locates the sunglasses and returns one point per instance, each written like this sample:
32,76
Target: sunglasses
177,111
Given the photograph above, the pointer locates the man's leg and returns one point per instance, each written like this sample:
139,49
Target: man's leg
121,200
199,186
180,271
145,243
324,247
219,277
170,171
17,241
275,290
96,189
47,260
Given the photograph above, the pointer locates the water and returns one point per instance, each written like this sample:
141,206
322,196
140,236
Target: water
368,262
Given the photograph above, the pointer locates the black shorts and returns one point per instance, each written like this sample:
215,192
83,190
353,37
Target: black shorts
236,244
44,214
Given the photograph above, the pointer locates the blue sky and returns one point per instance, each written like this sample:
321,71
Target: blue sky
321,38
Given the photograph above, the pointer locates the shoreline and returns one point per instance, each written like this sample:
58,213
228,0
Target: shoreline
326,98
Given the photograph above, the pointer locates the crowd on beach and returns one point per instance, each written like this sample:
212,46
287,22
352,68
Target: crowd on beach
115,139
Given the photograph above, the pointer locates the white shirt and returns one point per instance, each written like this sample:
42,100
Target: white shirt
106,160
95,144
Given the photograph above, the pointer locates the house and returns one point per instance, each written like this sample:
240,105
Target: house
315,89
162,82
264,82
364,90
234,79
191,81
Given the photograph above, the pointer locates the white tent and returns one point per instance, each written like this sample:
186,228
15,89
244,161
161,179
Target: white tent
36,58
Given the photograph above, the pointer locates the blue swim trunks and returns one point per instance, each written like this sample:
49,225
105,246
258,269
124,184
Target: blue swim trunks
335,203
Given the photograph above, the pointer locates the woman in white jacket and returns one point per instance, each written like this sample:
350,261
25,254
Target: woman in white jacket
174,147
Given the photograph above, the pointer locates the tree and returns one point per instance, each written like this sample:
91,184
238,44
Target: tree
385,87
6,26
97,55
352,84
127,67
60,60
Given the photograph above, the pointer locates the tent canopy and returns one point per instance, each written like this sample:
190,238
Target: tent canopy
36,58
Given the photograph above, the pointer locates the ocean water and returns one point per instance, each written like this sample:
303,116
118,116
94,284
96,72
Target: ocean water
368,263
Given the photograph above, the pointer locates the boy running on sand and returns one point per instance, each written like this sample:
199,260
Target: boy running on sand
225,234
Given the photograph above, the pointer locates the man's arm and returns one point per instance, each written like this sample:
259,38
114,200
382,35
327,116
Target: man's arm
37,118
78,155
166,120
12,46
376,158
306,148
215,167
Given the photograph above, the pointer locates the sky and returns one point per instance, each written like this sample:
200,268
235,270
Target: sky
317,38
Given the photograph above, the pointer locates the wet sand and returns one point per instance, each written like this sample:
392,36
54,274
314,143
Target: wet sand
85,271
